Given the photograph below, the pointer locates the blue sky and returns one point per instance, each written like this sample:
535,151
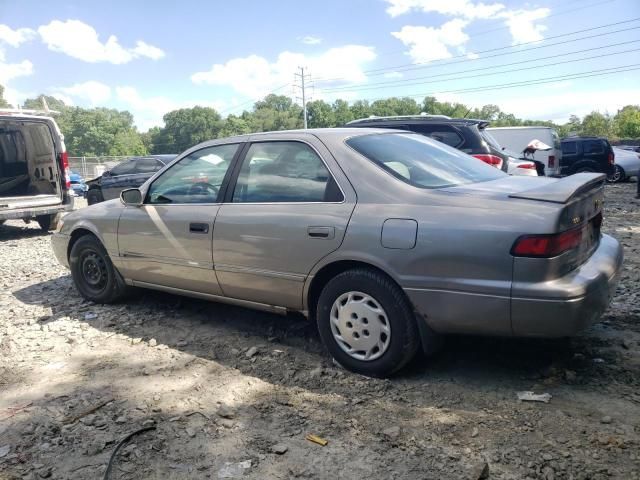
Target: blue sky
150,58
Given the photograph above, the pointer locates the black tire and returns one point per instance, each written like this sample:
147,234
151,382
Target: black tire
48,222
404,338
94,196
2,222
618,175
93,274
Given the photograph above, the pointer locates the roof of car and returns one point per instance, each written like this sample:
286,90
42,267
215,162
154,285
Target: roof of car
416,119
573,138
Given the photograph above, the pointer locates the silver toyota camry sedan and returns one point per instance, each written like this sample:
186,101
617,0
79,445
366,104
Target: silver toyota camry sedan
386,239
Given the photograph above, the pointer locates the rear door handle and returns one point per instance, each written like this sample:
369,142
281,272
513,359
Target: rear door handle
199,227
321,232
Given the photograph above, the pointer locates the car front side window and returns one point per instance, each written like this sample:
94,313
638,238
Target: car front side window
196,178
284,172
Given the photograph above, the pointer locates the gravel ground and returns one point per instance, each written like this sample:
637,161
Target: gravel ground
232,392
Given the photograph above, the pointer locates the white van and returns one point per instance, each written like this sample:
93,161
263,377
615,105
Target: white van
517,139
34,169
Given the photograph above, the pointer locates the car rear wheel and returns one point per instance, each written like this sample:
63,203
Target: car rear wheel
48,222
94,196
93,274
367,323
618,175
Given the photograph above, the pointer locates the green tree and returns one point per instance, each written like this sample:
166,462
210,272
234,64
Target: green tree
342,112
320,114
187,127
627,122
275,112
3,102
36,103
597,124
128,142
361,109
234,125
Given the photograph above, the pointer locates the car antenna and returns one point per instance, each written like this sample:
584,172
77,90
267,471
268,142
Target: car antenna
468,111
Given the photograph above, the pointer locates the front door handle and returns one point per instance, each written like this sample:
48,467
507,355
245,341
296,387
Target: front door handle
321,232
199,227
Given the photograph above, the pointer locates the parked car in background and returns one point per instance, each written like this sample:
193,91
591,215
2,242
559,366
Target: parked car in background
633,148
384,238
464,134
78,185
129,173
517,139
34,168
517,165
587,154
627,165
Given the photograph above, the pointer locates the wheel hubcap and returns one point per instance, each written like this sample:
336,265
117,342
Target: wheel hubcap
615,176
360,326
94,270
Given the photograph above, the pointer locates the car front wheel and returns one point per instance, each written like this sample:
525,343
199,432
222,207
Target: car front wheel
367,323
93,273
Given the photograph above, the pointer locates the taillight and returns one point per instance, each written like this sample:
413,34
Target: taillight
492,160
611,158
64,157
552,161
530,166
547,245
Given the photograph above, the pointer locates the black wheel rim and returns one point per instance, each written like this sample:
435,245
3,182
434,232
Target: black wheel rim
93,269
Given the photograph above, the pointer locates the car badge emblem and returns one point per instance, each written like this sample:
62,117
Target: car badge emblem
576,220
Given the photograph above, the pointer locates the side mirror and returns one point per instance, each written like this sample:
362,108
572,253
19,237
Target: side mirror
131,197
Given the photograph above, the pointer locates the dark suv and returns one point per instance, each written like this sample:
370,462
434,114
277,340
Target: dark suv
130,173
465,134
586,154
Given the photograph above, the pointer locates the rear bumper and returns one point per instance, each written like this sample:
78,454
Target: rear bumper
59,245
33,212
564,306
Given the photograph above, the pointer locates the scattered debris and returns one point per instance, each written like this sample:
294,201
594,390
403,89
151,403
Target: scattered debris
279,448
4,450
11,411
87,412
606,419
153,342
90,316
251,352
226,411
392,432
480,471
315,439
598,360
107,472
234,470
533,397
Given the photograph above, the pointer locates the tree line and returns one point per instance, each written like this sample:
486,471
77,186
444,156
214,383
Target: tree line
104,131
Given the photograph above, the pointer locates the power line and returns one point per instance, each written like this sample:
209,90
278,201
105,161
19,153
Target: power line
424,65
234,107
538,81
412,81
303,78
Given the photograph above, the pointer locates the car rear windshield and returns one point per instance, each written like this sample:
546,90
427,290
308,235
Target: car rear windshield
421,161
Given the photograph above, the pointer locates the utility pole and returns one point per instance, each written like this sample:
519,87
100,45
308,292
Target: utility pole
303,78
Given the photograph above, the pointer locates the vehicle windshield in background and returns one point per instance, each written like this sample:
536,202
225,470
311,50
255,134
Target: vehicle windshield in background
422,162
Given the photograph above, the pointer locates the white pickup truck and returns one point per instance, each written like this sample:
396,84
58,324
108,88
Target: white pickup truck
34,169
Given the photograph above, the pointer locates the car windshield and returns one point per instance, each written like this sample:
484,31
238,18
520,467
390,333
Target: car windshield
421,161
490,139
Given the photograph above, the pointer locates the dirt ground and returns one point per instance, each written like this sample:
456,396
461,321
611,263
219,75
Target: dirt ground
232,393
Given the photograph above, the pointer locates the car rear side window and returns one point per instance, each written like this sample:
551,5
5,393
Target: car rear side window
569,148
284,172
422,162
147,165
593,146
441,133
127,167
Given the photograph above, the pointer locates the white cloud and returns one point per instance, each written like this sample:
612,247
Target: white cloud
92,92
79,40
311,40
9,71
148,111
428,43
522,24
15,37
462,8
254,76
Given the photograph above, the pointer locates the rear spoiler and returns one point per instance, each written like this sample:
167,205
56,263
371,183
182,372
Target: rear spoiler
565,189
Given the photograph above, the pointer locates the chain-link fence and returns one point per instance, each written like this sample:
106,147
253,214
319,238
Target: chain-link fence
92,167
